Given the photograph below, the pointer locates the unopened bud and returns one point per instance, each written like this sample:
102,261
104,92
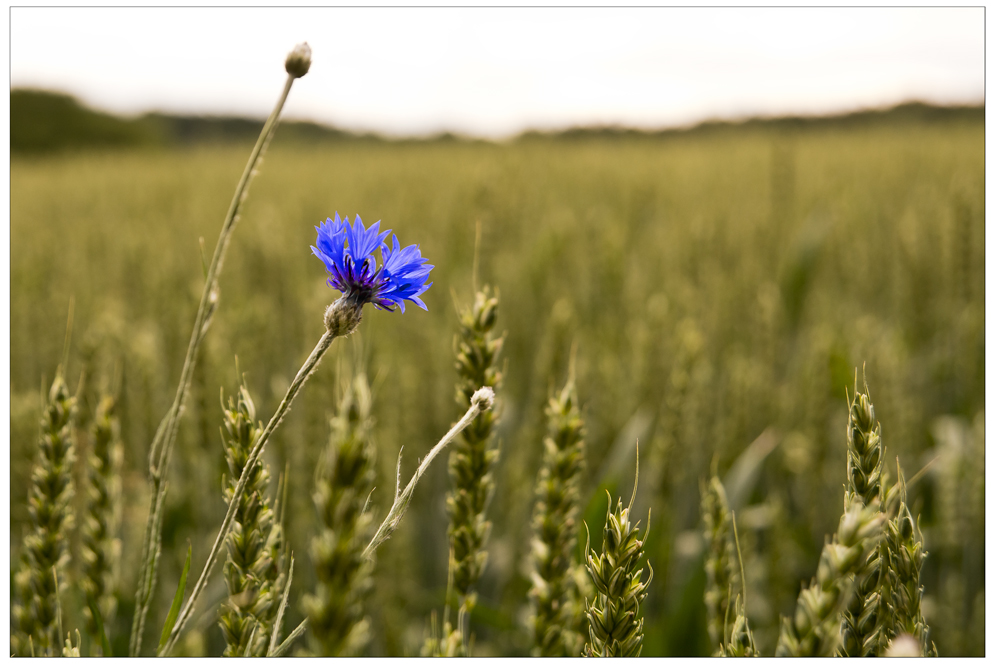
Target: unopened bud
299,60
483,398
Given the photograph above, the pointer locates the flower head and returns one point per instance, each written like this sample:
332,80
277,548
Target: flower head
348,254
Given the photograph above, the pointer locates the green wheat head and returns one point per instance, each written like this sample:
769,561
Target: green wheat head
101,546
37,584
71,650
863,631
445,643
740,643
903,547
470,463
343,483
614,626
727,624
814,631
864,451
252,571
721,573
554,524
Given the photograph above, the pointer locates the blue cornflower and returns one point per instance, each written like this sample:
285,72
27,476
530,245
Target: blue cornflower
347,252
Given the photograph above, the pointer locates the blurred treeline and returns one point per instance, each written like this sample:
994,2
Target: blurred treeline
721,285
43,121
46,122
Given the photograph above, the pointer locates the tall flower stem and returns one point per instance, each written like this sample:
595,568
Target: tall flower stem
482,400
353,313
161,449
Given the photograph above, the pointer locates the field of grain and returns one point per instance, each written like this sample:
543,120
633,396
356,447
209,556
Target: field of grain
719,286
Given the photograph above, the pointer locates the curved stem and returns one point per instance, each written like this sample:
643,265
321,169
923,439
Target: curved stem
481,401
161,449
309,366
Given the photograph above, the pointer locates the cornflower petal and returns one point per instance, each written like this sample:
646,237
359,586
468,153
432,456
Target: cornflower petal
347,253
363,241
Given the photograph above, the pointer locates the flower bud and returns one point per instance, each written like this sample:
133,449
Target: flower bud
299,60
484,398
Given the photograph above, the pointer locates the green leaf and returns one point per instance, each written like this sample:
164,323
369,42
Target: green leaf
174,610
105,645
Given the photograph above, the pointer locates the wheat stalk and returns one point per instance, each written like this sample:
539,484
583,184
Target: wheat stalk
862,632
253,569
554,526
814,631
341,319
614,628
721,575
905,554
101,546
46,546
470,462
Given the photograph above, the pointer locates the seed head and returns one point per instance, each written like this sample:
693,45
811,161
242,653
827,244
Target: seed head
299,60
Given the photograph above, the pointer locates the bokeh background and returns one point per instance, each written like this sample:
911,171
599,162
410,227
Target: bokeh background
728,212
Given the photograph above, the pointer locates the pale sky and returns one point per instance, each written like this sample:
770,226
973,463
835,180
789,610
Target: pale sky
496,71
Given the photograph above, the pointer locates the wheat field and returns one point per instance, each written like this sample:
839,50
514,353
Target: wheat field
720,287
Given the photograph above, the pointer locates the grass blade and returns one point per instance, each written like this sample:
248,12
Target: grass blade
105,645
174,610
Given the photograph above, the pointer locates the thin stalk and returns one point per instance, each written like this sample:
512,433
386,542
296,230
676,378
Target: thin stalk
309,366
482,400
278,624
161,449
287,642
